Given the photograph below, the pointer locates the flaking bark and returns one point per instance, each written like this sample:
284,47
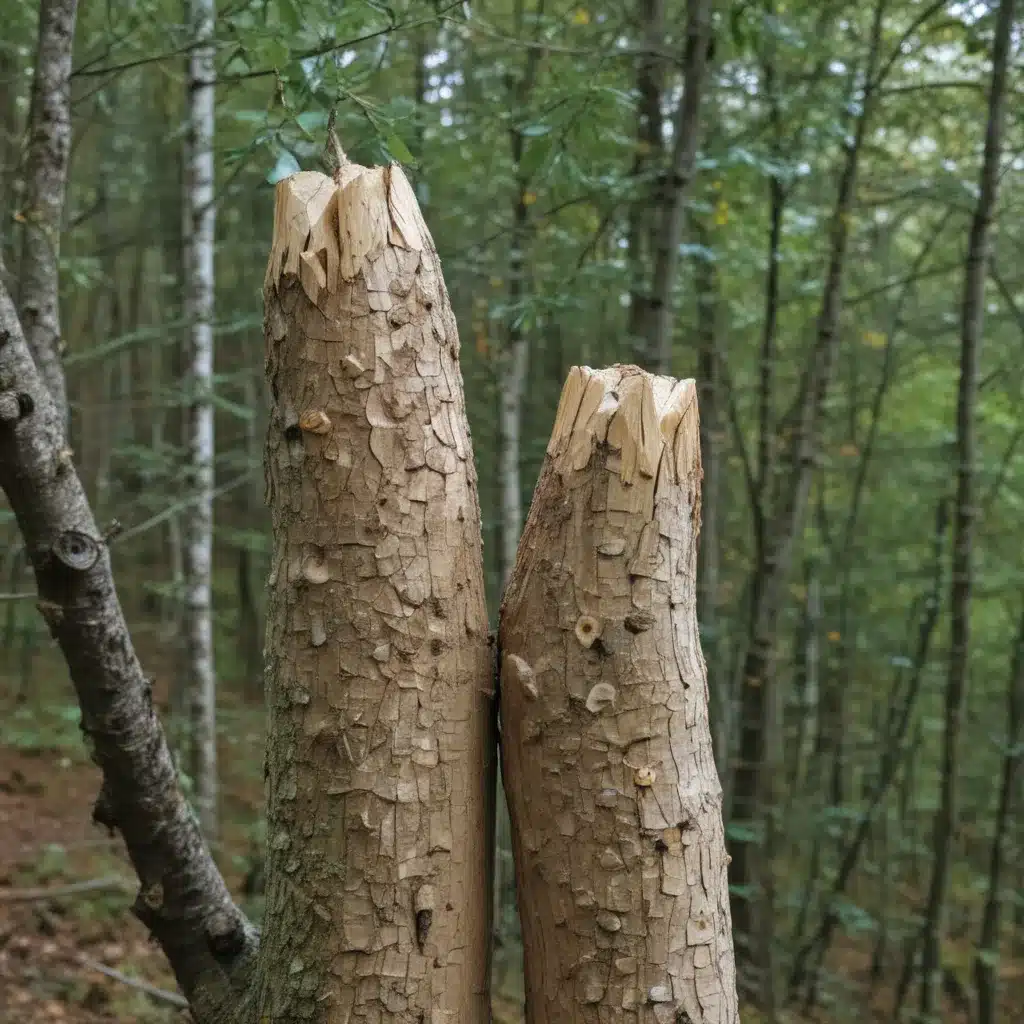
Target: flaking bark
182,899
380,760
606,747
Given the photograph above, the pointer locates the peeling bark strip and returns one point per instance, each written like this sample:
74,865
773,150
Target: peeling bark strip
183,900
46,168
615,800
381,754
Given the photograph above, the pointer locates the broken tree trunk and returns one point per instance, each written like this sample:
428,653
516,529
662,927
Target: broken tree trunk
380,758
611,783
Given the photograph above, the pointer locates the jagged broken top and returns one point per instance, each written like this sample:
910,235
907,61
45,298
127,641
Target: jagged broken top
325,229
638,415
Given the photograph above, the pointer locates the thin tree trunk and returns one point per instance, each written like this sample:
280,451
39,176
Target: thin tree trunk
986,958
811,954
972,318
708,341
10,157
675,184
200,224
647,165
183,900
46,168
380,760
606,747
772,569
514,362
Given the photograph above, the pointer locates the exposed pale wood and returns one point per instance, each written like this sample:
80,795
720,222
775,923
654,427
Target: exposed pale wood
381,752
607,760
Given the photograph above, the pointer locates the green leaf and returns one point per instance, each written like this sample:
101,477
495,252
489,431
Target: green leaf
286,166
290,17
309,120
743,833
250,116
399,150
240,412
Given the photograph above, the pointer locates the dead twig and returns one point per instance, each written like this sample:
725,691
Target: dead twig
72,889
159,994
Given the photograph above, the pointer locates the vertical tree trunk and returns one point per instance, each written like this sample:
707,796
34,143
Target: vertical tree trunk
708,340
652,318
606,748
514,361
972,318
200,224
781,530
380,759
647,164
986,958
675,184
46,168
10,134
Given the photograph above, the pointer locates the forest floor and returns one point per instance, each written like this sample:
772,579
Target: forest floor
53,937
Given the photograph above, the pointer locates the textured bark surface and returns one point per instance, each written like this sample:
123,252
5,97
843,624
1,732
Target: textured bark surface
200,225
182,900
46,168
606,748
380,759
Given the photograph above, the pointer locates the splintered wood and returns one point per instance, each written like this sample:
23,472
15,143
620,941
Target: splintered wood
380,754
612,788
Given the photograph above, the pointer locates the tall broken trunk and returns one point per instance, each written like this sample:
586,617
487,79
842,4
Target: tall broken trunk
380,760
200,223
46,169
606,747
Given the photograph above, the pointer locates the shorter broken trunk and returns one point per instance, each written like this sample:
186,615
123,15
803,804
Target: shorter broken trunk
611,783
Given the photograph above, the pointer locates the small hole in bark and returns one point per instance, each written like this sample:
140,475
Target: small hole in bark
436,646
660,845
428,305
382,502
293,433
26,403
448,906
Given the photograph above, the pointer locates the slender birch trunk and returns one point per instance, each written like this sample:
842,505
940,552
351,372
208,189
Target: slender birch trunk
606,747
46,168
380,759
200,224
972,319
